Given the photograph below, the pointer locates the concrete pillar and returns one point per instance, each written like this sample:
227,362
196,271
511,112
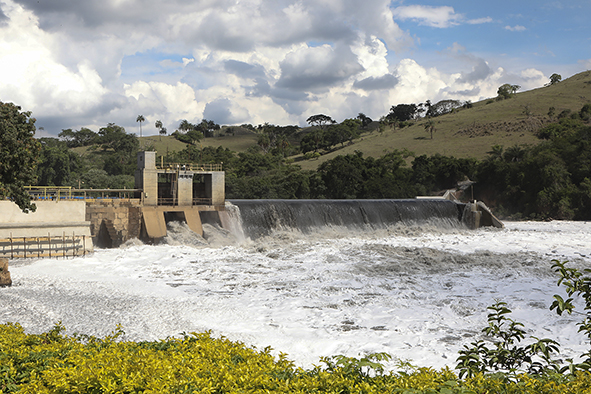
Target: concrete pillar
146,177
216,188
185,188
5,279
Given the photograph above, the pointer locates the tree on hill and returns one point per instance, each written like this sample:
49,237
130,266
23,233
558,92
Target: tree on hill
507,91
208,127
162,132
402,112
19,155
140,119
82,137
161,129
110,136
320,120
365,120
430,127
555,78
188,133
442,107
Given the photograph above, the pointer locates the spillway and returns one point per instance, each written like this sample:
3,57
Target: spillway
262,217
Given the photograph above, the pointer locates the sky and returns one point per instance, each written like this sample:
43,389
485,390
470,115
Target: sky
76,63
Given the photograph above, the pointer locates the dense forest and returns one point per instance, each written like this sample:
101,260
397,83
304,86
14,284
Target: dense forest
548,180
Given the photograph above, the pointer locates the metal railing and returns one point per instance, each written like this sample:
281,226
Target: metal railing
70,193
174,201
49,192
45,246
195,167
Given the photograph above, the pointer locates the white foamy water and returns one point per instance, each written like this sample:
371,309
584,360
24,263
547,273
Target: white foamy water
416,293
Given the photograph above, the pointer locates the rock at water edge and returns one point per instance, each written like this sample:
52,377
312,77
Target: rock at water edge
4,274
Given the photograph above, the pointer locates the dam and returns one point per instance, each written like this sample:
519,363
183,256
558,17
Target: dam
71,222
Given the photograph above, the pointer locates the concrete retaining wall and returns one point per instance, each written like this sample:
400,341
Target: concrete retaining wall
54,226
51,216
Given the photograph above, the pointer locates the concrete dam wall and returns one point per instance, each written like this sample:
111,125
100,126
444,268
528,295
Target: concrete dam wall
56,228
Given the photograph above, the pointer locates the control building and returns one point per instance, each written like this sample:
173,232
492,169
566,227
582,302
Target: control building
176,192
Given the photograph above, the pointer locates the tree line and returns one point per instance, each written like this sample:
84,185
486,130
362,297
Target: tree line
549,180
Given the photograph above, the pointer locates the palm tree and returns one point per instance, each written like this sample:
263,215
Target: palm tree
430,127
158,125
140,118
185,125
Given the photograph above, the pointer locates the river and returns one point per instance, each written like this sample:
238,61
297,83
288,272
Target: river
418,292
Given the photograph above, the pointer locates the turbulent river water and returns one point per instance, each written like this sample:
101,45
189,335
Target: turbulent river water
417,290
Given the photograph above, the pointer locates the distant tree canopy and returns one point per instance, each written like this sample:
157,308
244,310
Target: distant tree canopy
365,120
19,155
331,136
57,163
277,139
190,133
320,120
403,112
82,137
507,91
442,107
555,78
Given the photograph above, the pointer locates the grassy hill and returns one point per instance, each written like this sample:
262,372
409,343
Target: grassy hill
472,132
464,133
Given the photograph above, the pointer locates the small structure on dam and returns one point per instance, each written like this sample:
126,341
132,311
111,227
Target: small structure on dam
70,222
164,192
177,192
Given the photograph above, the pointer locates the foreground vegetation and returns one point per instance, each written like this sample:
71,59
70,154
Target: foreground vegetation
197,363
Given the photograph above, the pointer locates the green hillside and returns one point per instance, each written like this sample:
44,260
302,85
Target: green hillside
472,132
162,144
464,133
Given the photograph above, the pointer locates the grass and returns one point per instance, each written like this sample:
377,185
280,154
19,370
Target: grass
163,144
463,133
472,132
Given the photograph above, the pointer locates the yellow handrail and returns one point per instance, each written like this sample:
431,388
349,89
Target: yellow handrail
196,167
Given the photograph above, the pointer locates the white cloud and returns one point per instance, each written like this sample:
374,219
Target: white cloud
317,68
32,77
371,55
515,28
480,69
532,78
479,21
85,64
167,63
165,102
585,64
441,17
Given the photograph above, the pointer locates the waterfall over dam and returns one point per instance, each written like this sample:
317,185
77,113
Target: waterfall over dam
262,217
